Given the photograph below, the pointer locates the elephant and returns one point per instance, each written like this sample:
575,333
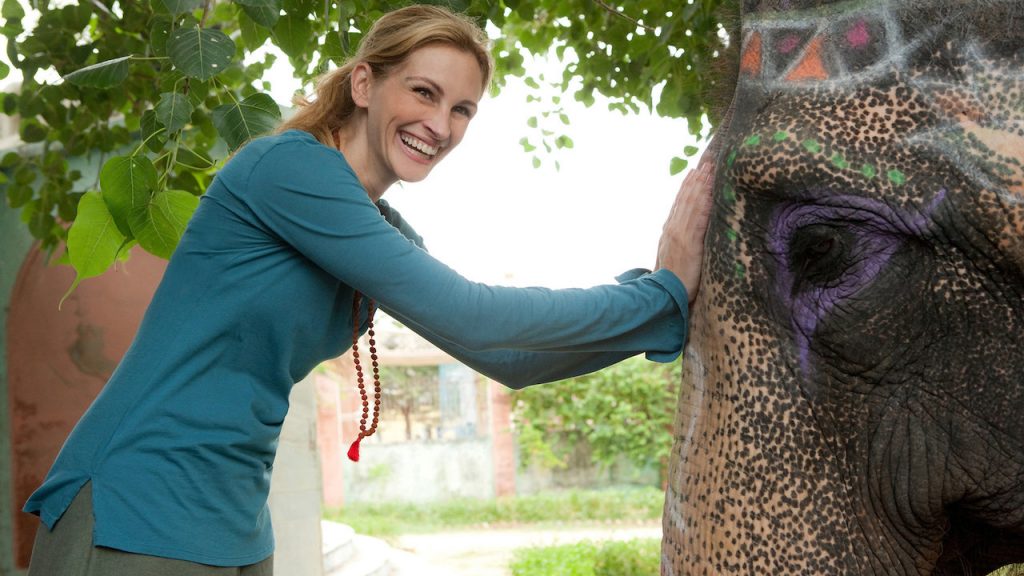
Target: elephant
853,400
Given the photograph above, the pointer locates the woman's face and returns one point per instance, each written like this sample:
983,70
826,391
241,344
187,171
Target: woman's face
420,111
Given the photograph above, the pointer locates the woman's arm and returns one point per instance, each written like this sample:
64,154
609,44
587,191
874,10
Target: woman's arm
513,368
305,194
518,369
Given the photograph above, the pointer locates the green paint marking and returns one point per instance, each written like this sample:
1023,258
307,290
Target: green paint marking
730,159
753,140
839,161
740,270
728,193
812,146
897,177
731,235
868,171
780,136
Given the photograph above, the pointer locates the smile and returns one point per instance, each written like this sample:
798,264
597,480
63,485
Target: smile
419,145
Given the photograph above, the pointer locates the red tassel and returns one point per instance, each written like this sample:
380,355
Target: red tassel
353,451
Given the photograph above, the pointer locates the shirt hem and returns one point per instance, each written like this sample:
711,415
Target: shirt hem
176,554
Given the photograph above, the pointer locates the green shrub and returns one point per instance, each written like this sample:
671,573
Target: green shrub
628,558
640,557
566,560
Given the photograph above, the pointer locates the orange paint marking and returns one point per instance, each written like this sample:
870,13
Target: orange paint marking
811,66
750,62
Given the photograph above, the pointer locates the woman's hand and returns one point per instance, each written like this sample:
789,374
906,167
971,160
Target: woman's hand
681,248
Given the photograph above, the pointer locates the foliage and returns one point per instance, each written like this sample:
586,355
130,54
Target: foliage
393,518
625,410
640,557
411,390
158,92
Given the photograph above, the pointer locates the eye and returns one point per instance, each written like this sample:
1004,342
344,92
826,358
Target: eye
464,111
819,254
424,92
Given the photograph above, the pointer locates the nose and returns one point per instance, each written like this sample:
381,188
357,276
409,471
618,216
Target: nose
439,124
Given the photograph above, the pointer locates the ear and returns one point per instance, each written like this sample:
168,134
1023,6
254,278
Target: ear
362,78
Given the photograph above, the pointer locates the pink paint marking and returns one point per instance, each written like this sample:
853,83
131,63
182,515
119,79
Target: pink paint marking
789,43
858,35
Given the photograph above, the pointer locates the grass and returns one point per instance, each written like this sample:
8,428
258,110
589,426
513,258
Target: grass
640,557
392,519
575,506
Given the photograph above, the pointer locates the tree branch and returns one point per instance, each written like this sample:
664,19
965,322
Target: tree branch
612,10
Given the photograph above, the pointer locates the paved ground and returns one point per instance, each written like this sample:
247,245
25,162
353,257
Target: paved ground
487,551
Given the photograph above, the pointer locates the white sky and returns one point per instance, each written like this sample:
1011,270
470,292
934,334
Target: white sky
489,214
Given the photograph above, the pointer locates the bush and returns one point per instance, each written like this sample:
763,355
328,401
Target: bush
640,557
628,558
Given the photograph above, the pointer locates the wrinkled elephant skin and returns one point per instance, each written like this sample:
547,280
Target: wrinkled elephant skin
855,395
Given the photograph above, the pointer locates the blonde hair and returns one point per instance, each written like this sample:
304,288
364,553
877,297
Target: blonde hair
389,42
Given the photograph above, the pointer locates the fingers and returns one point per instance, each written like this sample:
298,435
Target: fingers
681,247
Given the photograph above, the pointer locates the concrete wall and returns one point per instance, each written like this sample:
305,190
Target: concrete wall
420,472
14,244
295,489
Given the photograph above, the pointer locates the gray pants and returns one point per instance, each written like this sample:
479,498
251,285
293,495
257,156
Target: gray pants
68,551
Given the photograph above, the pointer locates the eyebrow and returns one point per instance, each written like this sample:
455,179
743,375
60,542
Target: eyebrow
437,88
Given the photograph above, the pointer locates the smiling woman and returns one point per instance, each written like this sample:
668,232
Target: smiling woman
425,106
283,265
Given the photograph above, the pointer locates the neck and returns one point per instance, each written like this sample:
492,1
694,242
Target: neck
351,142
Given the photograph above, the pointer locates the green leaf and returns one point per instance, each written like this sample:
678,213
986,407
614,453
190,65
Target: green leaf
173,111
181,6
159,223
32,131
254,35
200,53
93,240
4,70
241,122
677,165
263,12
690,150
18,196
12,10
126,182
193,160
153,133
101,75
159,33
293,34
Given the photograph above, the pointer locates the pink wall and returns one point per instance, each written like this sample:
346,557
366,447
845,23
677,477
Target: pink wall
58,360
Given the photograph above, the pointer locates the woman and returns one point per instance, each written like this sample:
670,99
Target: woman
168,471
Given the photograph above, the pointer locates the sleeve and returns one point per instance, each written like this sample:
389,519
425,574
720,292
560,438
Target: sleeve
305,194
518,369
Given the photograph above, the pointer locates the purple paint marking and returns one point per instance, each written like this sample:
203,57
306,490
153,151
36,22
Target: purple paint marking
878,231
789,43
858,35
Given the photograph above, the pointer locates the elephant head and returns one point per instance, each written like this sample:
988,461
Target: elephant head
854,402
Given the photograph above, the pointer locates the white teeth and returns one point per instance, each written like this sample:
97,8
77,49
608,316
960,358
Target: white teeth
420,145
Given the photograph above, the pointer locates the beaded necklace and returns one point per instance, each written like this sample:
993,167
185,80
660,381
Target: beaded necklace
353,451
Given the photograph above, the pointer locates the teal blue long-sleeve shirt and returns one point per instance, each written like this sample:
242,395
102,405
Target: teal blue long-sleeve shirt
179,445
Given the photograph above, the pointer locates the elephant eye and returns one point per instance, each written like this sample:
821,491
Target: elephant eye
819,254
